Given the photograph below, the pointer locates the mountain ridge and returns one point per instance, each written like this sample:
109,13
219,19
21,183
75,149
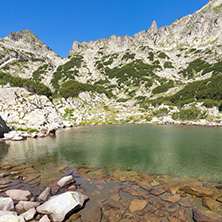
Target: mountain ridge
157,75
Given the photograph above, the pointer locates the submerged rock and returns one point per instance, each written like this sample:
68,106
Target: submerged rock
66,181
206,216
137,204
59,206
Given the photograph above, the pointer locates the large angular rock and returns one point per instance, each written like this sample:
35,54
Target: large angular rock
26,205
17,194
30,214
8,216
3,128
45,194
66,181
206,216
59,206
198,191
6,203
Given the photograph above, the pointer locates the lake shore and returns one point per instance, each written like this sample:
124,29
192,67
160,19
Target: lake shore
116,194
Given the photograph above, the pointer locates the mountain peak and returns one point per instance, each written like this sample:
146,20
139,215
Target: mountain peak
26,35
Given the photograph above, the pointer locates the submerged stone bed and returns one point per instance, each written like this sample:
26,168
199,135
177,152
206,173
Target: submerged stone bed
109,194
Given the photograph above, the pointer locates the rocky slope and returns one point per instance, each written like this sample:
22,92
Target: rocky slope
166,75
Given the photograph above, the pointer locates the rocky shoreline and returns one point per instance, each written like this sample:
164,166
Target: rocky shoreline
108,194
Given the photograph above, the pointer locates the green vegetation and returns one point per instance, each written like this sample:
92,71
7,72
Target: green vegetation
30,85
209,89
189,114
64,73
122,100
29,130
161,112
164,87
218,8
37,75
72,88
168,65
136,70
163,55
129,56
195,67
151,56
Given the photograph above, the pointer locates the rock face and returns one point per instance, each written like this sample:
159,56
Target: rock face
59,206
3,128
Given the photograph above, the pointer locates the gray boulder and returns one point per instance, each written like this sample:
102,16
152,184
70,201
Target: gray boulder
17,194
3,128
6,203
30,214
59,206
9,216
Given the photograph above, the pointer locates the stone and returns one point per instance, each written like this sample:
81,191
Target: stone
198,191
44,219
206,216
3,128
211,204
4,182
60,205
17,194
30,214
100,187
131,191
157,191
8,216
67,180
26,205
113,216
173,219
116,197
6,203
137,204
172,198
93,214
45,194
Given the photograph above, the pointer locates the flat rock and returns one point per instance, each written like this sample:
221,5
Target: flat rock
44,219
60,205
137,204
172,198
45,194
93,215
26,205
206,216
198,191
6,203
66,181
30,214
113,216
4,182
211,204
157,191
17,194
116,197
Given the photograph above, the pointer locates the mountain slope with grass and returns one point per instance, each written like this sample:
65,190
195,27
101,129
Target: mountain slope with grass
168,75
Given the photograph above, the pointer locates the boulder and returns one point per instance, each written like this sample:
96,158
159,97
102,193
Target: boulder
6,203
30,214
17,194
9,216
66,181
62,205
45,194
26,205
3,128
93,215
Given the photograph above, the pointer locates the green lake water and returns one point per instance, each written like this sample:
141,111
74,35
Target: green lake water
178,150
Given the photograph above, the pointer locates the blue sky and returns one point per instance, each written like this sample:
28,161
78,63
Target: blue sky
59,22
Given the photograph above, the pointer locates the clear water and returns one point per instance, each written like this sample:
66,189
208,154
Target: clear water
178,150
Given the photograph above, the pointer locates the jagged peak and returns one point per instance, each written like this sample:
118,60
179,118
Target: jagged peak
26,35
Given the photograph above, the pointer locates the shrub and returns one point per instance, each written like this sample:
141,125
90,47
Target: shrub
163,88
168,65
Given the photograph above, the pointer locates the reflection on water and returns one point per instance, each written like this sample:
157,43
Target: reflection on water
181,151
